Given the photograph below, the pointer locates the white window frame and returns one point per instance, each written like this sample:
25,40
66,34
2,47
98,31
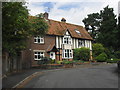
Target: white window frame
38,54
67,54
39,39
67,40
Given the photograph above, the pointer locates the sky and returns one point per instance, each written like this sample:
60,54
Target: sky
74,11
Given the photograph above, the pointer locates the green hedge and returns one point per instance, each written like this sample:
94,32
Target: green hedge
67,62
81,54
59,62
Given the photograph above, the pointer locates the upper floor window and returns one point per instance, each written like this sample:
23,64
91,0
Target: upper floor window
67,40
81,43
39,39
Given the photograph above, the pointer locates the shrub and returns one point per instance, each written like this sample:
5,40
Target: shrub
44,60
59,62
112,60
82,54
97,49
67,62
52,61
76,54
101,58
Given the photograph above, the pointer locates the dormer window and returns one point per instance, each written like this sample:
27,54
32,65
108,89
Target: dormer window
78,32
67,38
39,39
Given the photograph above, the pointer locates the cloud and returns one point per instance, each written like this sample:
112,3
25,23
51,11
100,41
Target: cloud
73,12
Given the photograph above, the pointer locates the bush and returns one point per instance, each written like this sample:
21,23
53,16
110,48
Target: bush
59,62
97,49
112,60
82,54
67,62
44,60
76,54
52,61
101,58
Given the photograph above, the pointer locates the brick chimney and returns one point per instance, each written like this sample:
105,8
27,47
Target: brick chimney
63,20
45,15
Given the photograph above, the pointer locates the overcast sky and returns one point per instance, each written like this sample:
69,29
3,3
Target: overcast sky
74,11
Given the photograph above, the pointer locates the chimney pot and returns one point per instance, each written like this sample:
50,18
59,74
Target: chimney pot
46,15
63,20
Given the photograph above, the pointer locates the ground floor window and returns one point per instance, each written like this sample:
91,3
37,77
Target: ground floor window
67,53
38,55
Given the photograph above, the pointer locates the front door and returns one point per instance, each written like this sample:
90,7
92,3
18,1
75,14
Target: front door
52,55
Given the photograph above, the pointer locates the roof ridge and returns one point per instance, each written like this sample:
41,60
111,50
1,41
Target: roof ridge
66,23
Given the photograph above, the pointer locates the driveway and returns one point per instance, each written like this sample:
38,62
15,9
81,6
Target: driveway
103,76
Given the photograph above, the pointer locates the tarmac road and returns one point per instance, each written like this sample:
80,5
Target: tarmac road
103,76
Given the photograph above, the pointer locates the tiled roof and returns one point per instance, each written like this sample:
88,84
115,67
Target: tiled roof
59,28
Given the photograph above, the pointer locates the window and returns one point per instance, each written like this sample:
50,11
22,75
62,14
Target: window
78,32
38,55
81,43
67,53
67,40
38,39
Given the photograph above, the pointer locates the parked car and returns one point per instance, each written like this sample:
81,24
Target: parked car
118,64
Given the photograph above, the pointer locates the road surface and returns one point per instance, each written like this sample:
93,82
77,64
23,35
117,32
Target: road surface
103,76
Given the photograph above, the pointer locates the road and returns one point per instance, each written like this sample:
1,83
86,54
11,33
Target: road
103,76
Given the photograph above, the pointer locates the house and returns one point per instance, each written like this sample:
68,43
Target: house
59,42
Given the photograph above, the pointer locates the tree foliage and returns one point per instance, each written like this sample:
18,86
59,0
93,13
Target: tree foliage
97,49
14,25
118,33
108,28
92,24
38,25
104,27
17,28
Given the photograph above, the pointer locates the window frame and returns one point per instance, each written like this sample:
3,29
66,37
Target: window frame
38,54
39,39
67,40
67,53
82,43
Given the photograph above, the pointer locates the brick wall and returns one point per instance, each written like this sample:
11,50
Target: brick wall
34,46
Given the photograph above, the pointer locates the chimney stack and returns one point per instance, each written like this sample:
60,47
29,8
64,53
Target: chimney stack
46,15
63,20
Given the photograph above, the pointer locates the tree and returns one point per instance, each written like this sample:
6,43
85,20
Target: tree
14,25
104,28
17,28
92,24
108,28
82,54
118,33
38,25
97,49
